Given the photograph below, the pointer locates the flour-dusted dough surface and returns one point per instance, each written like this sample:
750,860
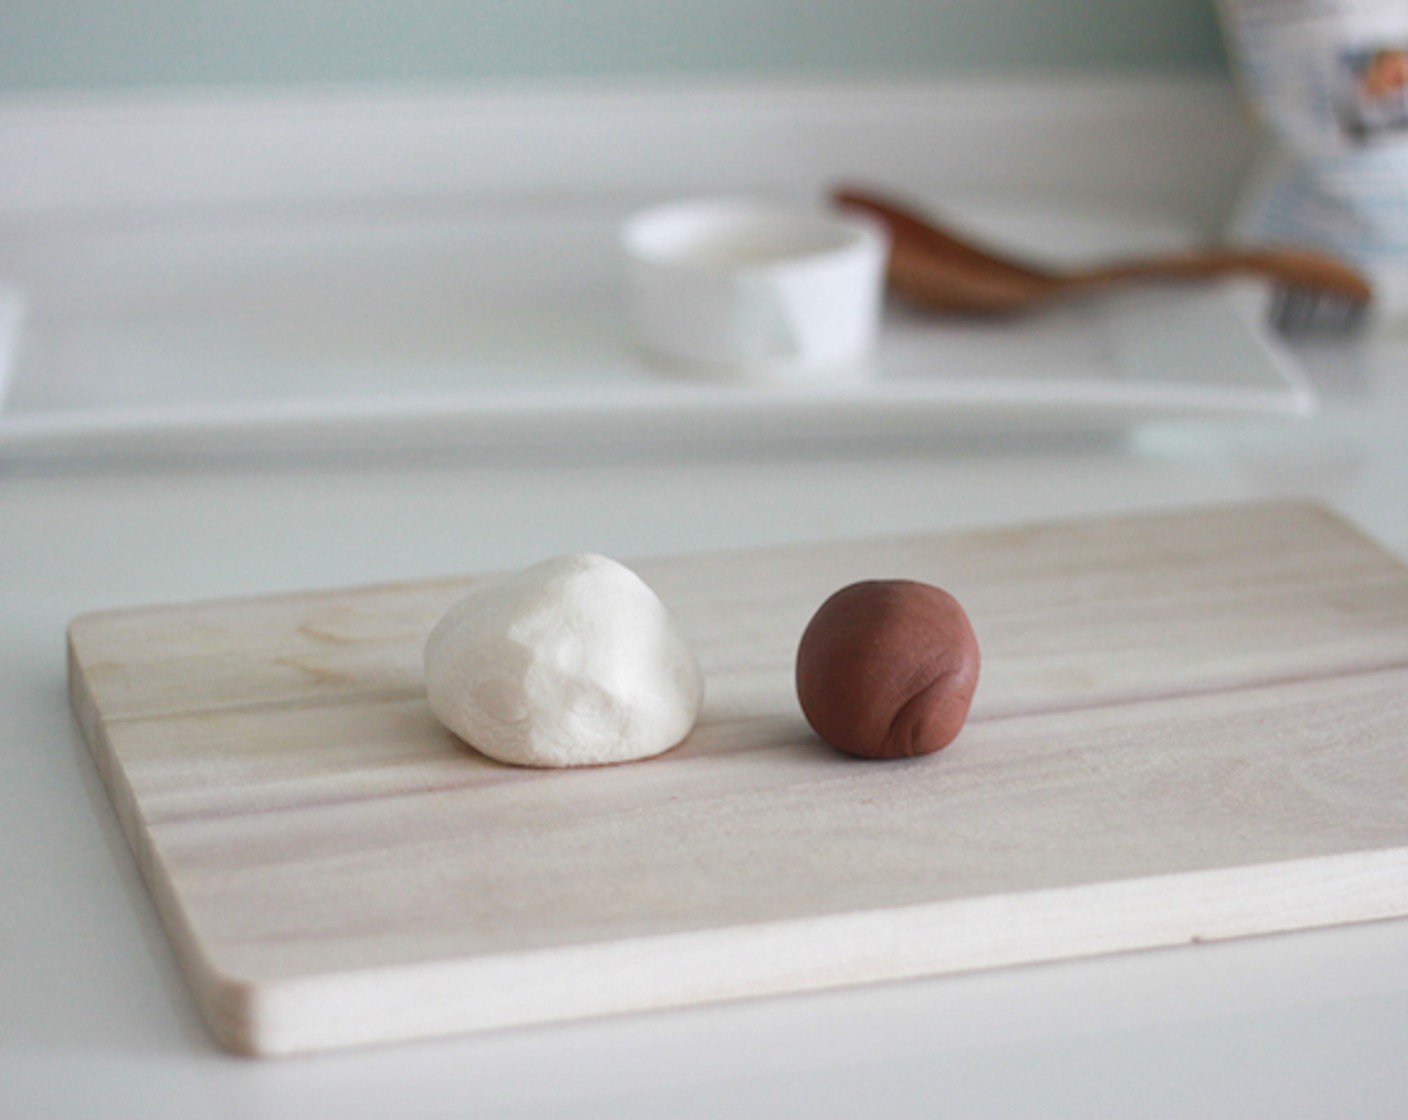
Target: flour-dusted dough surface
572,662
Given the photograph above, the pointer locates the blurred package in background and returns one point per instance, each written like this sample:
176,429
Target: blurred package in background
1328,82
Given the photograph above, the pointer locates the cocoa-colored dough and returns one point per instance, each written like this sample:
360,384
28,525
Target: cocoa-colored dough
887,669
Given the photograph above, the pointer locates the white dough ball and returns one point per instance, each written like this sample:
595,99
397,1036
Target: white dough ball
572,662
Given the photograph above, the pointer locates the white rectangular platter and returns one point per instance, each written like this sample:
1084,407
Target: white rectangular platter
1190,725
504,328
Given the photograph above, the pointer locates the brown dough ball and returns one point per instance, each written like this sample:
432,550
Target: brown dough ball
887,669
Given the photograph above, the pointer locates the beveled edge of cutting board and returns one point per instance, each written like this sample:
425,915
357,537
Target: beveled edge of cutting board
224,1002
318,1012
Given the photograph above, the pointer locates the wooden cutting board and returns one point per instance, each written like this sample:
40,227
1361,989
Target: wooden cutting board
1189,726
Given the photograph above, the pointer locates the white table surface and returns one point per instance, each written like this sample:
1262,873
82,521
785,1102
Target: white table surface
96,1021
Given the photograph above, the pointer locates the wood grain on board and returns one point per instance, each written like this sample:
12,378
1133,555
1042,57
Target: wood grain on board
1190,725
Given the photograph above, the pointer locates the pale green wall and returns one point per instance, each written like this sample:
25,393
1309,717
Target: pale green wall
106,44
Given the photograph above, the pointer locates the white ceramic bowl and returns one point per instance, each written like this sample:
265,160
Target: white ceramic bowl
747,290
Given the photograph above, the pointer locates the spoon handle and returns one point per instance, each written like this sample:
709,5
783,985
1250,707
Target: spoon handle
1296,267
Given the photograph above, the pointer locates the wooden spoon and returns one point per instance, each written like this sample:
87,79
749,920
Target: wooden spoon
940,270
